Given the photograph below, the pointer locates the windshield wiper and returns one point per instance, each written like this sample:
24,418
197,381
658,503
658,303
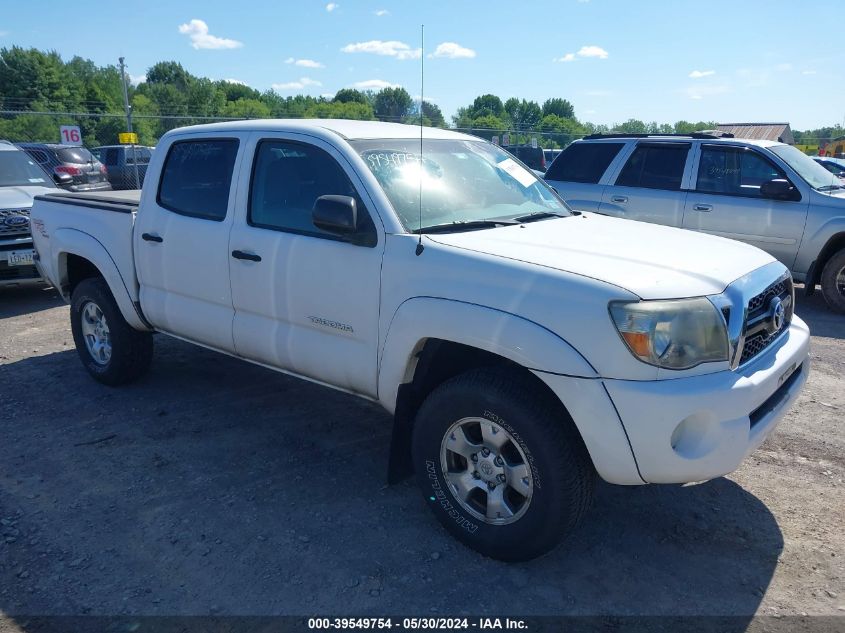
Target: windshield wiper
464,225
539,215
830,187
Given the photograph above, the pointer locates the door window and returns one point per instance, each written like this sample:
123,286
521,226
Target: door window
655,166
583,162
197,176
734,171
288,178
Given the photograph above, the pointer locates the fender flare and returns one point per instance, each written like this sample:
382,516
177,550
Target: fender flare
67,241
508,335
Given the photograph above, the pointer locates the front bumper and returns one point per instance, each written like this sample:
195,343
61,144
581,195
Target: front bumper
698,428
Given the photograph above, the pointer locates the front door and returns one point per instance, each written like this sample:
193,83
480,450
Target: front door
726,201
305,300
181,242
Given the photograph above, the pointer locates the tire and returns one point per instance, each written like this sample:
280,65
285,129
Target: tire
127,353
833,282
540,440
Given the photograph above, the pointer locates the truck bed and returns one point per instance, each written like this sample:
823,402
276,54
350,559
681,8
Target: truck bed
85,223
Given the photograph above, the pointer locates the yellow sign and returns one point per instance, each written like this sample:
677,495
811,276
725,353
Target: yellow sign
128,138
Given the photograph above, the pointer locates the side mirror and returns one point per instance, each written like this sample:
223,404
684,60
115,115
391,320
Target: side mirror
336,214
62,178
779,189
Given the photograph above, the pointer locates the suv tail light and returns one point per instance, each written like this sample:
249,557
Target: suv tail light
103,169
67,169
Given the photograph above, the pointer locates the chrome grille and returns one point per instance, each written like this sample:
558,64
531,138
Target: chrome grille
758,333
11,228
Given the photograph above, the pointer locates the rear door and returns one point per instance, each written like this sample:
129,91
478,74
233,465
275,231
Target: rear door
649,186
726,201
181,240
579,173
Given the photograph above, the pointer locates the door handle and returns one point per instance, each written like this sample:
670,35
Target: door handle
243,255
703,207
150,237
619,198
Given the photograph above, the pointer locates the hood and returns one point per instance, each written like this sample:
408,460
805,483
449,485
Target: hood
21,197
652,261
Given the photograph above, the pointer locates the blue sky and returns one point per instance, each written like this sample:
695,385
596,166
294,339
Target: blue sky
660,60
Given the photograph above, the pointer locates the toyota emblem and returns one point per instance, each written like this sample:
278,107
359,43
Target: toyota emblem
777,314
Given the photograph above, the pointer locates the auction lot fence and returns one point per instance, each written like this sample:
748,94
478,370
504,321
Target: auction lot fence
126,166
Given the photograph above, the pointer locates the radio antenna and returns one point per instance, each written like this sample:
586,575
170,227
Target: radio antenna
420,246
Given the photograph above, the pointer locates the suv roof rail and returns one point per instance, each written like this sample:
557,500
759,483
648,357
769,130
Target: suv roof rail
2,140
705,135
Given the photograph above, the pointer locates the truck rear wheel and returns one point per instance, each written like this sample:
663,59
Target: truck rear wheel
833,282
110,349
501,464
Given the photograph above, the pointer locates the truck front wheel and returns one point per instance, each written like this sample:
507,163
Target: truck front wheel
833,282
501,464
110,349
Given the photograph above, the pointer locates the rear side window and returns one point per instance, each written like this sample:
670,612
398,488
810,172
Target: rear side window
110,156
197,176
734,171
76,155
655,166
583,162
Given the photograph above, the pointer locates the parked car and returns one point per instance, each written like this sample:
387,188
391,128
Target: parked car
73,167
521,347
21,179
550,154
767,194
120,162
835,166
533,157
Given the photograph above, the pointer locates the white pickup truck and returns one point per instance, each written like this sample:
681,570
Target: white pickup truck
522,347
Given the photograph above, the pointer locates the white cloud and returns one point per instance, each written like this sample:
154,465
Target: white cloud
453,50
391,48
698,74
593,51
136,79
585,51
197,31
783,67
381,12
809,72
331,6
305,63
373,84
304,82
237,82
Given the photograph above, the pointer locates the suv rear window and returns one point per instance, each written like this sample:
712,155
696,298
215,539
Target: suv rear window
197,176
583,162
77,155
655,166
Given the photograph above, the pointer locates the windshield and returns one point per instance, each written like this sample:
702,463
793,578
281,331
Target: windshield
814,174
17,169
461,182
75,155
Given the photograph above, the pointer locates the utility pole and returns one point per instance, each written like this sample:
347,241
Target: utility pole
128,110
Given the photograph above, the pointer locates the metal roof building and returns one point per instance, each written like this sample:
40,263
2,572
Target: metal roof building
760,131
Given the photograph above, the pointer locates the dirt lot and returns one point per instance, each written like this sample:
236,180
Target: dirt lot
216,487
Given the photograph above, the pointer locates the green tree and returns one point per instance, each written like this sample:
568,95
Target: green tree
523,115
169,73
486,105
350,95
246,109
558,107
393,104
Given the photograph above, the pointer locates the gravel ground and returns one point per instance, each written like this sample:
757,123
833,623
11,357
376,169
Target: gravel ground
213,486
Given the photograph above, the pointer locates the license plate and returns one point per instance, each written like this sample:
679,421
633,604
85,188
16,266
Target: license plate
21,258
786,375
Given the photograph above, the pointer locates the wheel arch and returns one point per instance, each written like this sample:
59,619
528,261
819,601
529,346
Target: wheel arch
833,245
80,256
413,364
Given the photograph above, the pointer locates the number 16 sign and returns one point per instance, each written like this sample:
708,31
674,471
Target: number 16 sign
70,135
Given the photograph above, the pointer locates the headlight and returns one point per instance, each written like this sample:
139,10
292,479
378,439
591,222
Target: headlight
675,334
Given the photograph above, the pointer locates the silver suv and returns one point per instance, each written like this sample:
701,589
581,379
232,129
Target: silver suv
767,194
